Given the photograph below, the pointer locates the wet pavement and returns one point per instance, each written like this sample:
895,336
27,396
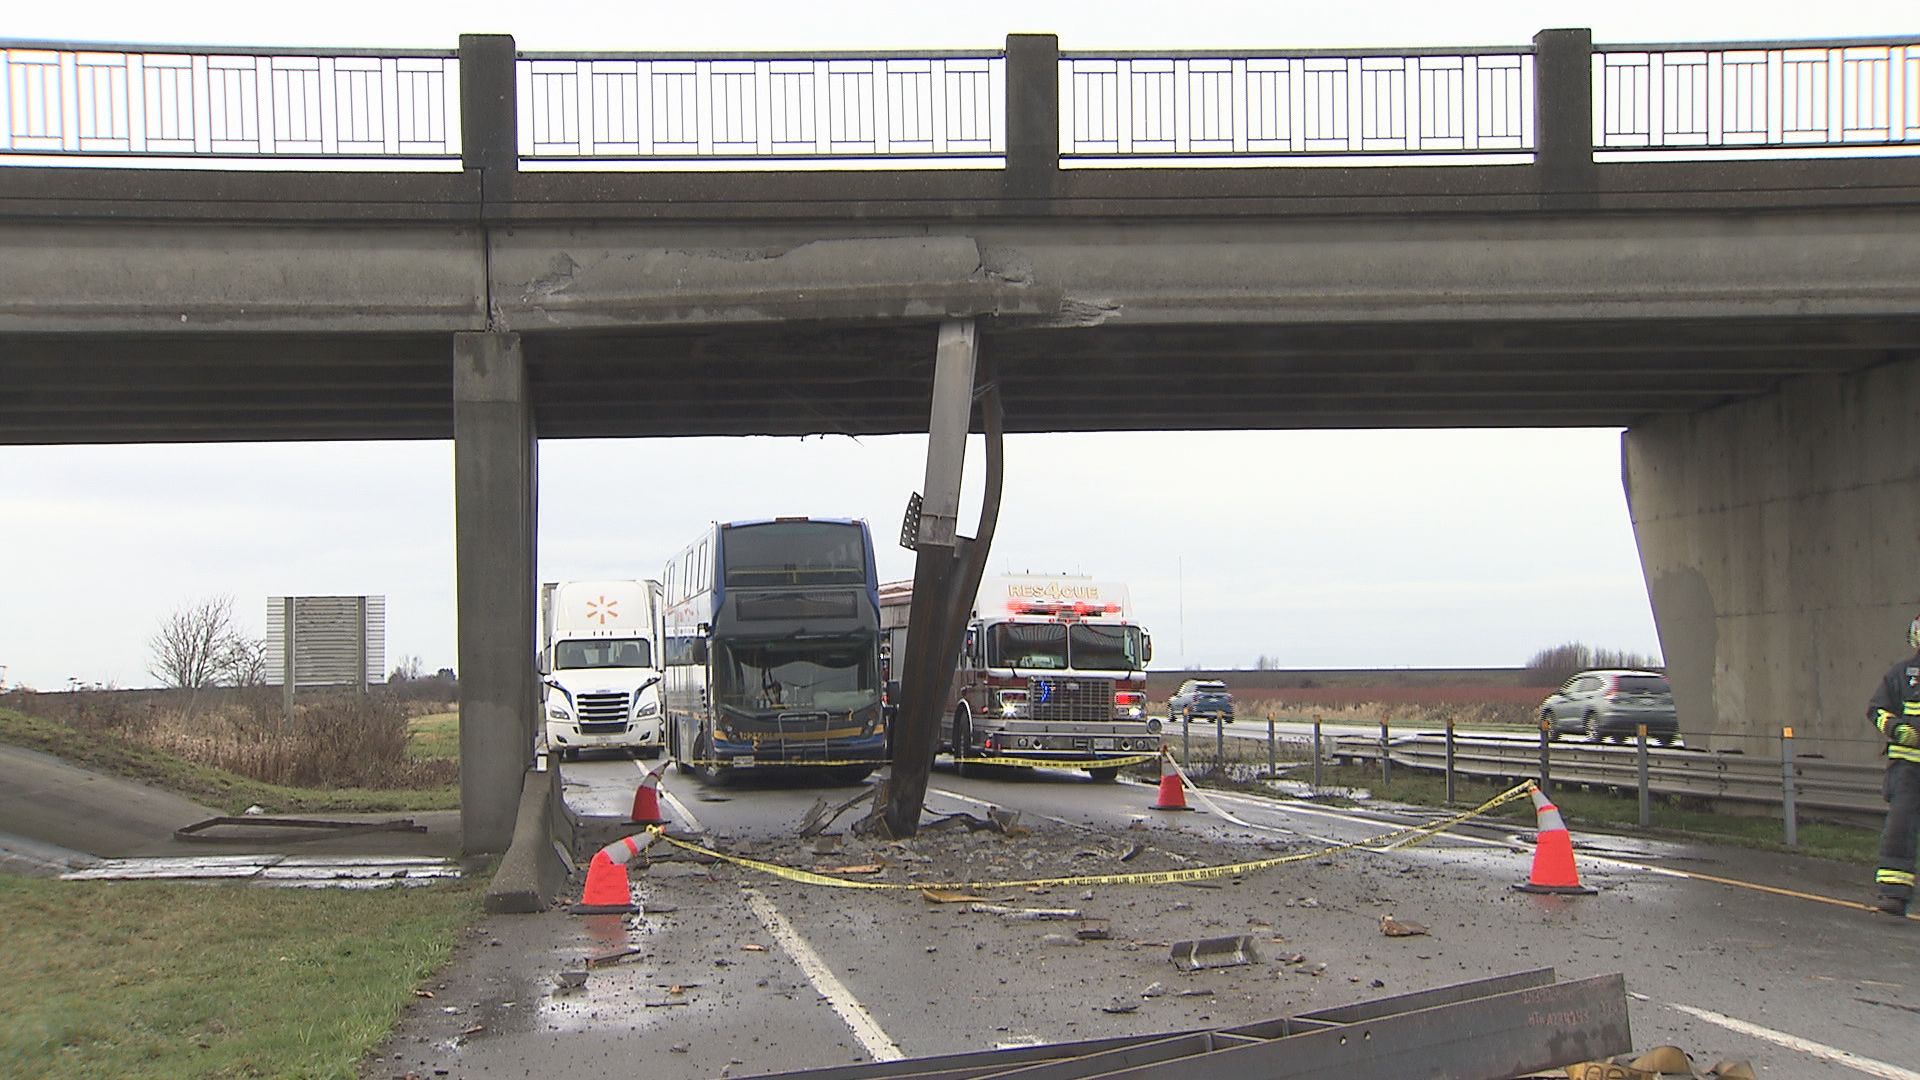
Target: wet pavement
716,988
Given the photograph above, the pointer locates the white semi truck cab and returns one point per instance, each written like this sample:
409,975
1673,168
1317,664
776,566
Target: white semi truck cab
600,666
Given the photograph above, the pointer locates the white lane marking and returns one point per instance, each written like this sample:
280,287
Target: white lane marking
679,807
997,806
864,1027
1806,1046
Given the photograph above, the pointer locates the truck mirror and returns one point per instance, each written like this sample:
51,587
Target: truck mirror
543,665
1146,643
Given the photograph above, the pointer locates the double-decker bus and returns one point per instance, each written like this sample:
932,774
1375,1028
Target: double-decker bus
772,649
1053,672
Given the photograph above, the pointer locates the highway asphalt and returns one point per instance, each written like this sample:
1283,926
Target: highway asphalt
737,972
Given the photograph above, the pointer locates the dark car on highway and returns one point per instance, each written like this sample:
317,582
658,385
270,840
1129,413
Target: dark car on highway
1201,699
1610,705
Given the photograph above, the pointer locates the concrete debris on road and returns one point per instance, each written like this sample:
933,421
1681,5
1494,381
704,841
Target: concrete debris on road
1217,952
1028,914
1393,927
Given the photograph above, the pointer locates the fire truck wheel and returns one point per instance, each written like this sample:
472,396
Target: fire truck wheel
962,742
1104,776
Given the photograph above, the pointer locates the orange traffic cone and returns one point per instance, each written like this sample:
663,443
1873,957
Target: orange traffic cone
646,801
1173,794
607,891
1553,869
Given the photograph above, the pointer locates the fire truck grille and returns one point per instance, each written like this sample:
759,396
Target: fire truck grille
1070,698
602,708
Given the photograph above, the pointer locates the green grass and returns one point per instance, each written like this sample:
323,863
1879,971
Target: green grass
140,979
1603,812
217,788
436,735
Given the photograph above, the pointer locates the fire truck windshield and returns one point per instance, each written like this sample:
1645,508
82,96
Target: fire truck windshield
1096,647
1028,645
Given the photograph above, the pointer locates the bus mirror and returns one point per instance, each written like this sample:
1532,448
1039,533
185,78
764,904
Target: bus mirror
1146,645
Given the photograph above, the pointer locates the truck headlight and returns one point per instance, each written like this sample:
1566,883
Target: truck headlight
558,712
649,708
1013,703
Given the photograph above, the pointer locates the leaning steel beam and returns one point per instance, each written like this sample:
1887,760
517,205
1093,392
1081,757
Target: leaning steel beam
1483,1030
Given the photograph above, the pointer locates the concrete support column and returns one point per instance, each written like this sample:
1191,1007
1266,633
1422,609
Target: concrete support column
496,478
1780,539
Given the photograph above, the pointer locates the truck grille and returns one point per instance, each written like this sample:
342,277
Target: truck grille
609,727
602,708
1073,698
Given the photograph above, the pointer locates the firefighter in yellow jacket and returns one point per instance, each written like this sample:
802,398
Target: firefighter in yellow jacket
1895,710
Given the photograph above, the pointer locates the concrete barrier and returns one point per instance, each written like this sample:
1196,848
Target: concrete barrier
538,863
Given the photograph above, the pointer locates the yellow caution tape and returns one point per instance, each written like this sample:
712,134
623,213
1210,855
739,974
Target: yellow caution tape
1413,833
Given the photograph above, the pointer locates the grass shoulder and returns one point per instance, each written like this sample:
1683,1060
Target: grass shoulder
140,979
222,789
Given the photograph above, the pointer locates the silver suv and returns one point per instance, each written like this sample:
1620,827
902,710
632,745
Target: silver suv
1201,698
1610,704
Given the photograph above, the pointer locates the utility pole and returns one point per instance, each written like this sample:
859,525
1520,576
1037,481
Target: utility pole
946,575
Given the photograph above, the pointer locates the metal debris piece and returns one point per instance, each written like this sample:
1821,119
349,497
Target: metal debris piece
570,978
753,947
1154,990
1217,952
1027,914
862,868
1133,852
1120,1005
1094,930
474,1029
951,896
318,827
1393,927
606,959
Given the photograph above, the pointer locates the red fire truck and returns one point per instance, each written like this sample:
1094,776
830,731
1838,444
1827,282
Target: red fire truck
1053,672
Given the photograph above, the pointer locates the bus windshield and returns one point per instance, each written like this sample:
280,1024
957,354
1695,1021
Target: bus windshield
794,553
1105,648
1028,645
834,674
603,653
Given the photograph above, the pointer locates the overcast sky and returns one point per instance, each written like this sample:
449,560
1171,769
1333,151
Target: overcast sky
1323,549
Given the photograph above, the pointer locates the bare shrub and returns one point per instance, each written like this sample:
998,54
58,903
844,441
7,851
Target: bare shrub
344,740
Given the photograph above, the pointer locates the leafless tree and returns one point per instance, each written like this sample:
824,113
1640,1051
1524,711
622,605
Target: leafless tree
198,646
245,661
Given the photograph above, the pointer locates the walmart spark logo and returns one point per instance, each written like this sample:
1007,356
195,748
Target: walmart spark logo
603,609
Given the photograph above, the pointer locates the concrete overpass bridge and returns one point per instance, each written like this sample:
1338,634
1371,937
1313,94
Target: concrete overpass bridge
1714,247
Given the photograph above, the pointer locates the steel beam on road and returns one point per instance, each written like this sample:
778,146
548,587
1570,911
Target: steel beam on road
1487,1029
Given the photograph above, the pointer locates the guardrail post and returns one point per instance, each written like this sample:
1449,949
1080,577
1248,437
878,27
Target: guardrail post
1646,793
1546,729
1033,114
1386,766
489,106
1186,735
1316,754
1219,742
1449,799
1273,766
1786,787
1563,115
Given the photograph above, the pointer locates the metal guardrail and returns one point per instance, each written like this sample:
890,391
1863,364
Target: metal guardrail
611,107
200,102
1281,104
1819,784
1767,94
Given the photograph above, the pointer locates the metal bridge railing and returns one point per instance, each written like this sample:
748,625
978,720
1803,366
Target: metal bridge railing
1289,104
228,103
1779,94
608,107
